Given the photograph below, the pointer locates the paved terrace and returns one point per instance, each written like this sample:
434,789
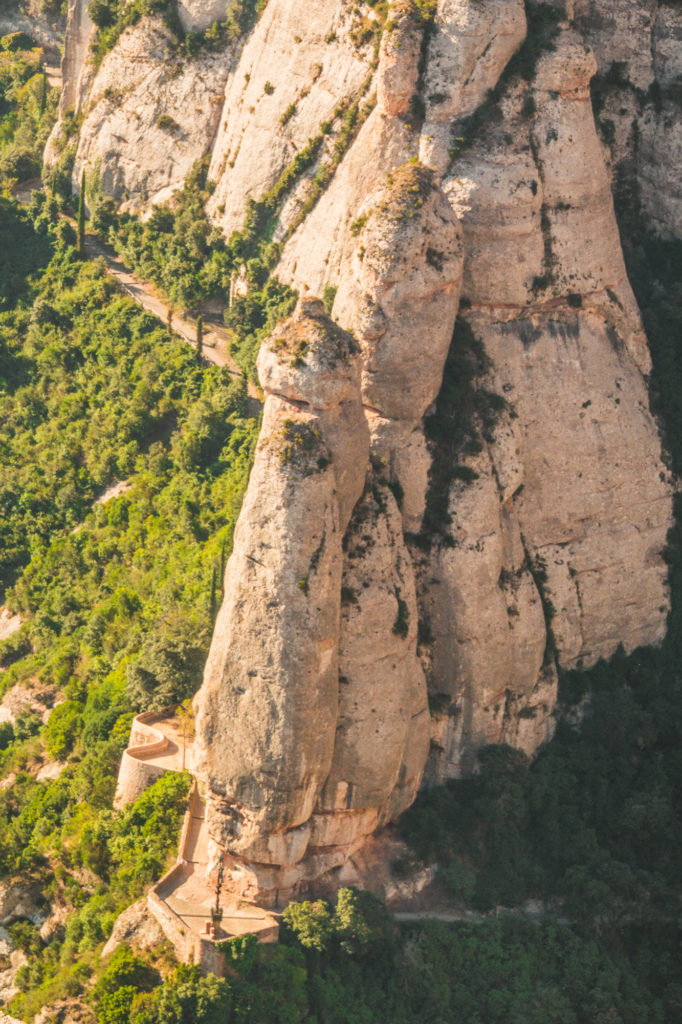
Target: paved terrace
182,900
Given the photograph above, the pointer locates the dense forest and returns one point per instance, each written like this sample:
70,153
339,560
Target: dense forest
118,596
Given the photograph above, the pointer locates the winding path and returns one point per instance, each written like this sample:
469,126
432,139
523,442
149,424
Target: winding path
215,347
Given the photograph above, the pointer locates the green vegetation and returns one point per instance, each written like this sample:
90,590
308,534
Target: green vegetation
117,597
112,17
30,252
361,967
350,962
180,251
81,218
177,248
53,8
302,447
121,855
28,108
253,317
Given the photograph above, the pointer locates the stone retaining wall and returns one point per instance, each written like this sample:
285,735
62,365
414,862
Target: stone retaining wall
137,772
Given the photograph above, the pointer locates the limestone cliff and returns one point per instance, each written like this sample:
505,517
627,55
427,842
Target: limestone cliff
47,29
638,48
267,715
459,487
151,115
77,74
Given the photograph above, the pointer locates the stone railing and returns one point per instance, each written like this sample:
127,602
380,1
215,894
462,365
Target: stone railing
137,770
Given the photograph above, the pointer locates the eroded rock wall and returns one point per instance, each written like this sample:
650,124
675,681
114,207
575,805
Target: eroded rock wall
453,514
151,115
267,711
197,15
638,99
298,72
553,554
76,75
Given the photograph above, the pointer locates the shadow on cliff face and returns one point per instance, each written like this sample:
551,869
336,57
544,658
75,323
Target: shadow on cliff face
593,825
654,267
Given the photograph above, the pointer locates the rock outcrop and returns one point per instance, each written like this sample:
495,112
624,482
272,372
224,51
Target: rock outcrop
464,513
267,713
136,927
151,115
638,47
47,29
565,500
399,296
197,15
298,73
76,73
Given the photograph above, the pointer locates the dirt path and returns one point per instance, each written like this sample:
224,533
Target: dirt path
215,347
215,337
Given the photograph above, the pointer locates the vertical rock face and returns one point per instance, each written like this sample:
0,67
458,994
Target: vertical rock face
151,115
558,539
77,72
75,76
469,46
399,296
638,47
298,72
436,172
383,729
554,502
267,712
196,15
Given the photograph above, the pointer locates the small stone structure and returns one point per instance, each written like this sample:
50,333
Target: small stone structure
181,902
150,753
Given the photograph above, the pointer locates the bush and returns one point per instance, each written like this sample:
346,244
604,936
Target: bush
63,727
168,670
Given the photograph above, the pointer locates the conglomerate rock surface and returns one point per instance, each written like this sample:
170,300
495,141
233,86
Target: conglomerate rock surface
438,520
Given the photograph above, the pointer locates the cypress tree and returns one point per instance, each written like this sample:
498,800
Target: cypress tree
200,337
42,96
81,217
214,594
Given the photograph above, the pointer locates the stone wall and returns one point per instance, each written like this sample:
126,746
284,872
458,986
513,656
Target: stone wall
136,772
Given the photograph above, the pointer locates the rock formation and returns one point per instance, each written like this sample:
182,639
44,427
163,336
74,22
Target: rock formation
459,513
267,715
77,73
297,69
637,98
151,115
